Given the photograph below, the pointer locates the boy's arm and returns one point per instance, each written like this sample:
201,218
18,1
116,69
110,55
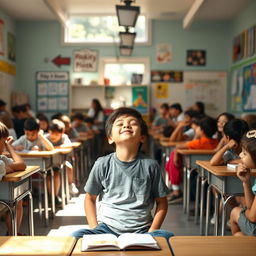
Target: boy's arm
47,144
217,158
18,163
251,212
182,145
160,213
90,209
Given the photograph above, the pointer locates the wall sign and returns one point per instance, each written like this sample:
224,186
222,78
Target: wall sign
52,91
85,60
58,61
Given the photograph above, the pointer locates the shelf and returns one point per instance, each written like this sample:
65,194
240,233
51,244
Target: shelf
104,86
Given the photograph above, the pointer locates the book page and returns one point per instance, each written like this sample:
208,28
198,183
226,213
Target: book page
132,239
98,241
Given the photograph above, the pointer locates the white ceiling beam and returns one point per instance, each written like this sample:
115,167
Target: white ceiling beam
187,21
57,11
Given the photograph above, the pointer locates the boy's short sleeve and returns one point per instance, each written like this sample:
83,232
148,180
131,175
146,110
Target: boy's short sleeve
94,182
159,188
20,141
3,162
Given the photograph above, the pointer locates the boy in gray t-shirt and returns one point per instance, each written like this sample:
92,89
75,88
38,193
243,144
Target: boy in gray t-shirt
127,183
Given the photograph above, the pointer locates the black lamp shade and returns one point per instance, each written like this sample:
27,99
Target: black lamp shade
127,38
125,50
127,15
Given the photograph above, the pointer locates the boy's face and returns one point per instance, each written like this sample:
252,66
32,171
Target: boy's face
126,129
199,132
55,136
43,125
163,111
31,135
78,121
2,145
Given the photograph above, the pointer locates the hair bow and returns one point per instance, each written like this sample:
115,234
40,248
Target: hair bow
251,134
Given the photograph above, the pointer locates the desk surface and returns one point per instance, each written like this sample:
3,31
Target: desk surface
213,245
165,251
36,245
220,170
85,138
196,151
37,154
20,175
64,150
167,143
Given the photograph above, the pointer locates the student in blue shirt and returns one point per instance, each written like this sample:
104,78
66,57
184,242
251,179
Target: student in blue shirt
127,183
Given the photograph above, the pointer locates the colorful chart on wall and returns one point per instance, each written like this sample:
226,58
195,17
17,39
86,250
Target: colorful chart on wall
140,98
236,90
249,88
52,89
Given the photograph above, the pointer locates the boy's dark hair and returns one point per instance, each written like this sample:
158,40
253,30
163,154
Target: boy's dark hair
248,143
235,129
88,120
125,112
16,109
56,116
165,106
4,133
196,119
65,119
191,113
2,103
56,126
31,124
176,106
208,125
23,108
201,107
79,116
168,130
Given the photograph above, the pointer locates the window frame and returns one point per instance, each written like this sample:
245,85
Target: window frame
125,60
147,43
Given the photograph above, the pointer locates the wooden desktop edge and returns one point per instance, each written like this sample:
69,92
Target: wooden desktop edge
196,151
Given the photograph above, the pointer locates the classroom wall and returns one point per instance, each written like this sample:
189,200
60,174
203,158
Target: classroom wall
39,43
7,81
243,21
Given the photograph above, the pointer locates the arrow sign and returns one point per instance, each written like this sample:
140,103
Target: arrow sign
58,61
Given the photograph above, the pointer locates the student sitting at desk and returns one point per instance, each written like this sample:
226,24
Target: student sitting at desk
78,124
43,122
162,119
229,153
69,130
243,220
59,139
127,182
7,165
207,127
33,138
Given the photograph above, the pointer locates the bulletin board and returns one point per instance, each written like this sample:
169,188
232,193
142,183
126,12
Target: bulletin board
207,86
52,91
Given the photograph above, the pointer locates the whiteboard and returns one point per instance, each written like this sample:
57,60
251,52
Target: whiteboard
209,87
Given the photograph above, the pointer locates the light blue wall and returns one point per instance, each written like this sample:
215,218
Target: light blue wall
40,40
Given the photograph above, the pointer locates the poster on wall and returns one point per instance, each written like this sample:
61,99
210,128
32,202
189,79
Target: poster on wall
249,88
140,98
166,76
52,91
1,37
163,53
161,90
196,57
236,90
85,60
11,46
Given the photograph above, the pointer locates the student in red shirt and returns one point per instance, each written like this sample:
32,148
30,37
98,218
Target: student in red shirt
206,128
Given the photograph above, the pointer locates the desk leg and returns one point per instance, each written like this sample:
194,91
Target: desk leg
197,198
30,215
207,210
216,214
62,185
66,183
203,182
12,212
184,189
52,193
46,213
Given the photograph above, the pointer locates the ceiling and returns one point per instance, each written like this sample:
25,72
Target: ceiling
156,9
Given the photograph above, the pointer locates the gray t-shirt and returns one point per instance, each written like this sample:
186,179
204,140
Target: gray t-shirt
27,144
64,140
127,191
4,160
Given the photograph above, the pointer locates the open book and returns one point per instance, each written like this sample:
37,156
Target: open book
125,241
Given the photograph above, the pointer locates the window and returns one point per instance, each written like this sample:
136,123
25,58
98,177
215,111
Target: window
125,71
101,29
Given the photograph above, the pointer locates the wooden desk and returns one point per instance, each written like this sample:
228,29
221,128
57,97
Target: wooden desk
226,183
36,245
190,156
165,250
14,187
45,160
213,246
